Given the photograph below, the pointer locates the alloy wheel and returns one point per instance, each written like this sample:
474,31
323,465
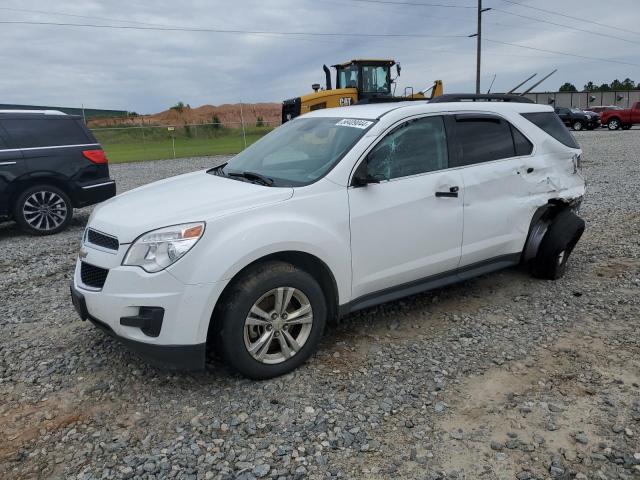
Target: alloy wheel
44,210
278,325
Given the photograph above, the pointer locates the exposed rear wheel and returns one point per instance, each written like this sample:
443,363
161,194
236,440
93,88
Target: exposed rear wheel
43,210
271,320
613,124
556,246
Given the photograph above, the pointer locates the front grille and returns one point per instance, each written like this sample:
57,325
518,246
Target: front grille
102,240
93,276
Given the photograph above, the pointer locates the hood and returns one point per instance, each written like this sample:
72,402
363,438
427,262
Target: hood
192,197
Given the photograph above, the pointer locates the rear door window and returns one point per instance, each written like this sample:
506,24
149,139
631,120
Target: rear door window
45,132
483,138
552,125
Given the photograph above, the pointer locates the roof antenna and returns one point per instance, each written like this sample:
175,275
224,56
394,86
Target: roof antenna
520,84
494,79
538,83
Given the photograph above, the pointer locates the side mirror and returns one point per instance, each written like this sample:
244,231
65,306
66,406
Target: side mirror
398,68
362,178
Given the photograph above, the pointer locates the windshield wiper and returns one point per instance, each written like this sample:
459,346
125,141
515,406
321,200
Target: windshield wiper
253,176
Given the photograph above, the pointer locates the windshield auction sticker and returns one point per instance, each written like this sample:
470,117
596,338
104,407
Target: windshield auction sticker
352,122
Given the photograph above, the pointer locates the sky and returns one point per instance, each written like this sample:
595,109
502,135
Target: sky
149,70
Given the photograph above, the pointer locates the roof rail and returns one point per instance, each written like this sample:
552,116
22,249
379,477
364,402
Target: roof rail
42,112
487,97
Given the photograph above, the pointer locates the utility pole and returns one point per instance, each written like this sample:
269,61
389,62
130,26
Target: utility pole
478,36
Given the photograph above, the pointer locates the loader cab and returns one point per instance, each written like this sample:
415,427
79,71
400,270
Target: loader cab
372,78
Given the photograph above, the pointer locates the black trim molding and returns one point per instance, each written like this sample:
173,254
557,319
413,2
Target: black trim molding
431,283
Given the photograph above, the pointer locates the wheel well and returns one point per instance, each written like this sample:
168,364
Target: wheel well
304,261
614,118
24,184
539,224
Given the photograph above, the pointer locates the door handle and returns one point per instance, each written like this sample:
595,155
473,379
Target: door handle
453,192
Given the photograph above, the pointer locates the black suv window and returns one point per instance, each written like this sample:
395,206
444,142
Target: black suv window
483,138
417,146
552,125
45,132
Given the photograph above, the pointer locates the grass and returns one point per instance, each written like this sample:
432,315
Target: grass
130,145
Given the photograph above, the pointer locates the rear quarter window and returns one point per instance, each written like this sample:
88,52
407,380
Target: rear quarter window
552,125
46,132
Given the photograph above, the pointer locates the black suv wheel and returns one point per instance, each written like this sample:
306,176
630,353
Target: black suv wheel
43,210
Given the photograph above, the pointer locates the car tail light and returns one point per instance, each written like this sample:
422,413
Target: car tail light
95,156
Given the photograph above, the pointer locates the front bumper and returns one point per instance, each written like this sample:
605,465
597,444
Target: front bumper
175,357
126,304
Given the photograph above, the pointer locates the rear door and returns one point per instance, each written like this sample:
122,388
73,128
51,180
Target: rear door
11,167
495,158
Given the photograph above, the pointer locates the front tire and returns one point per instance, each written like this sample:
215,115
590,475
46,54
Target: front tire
553,254
43,210
271,321
613,124
577,125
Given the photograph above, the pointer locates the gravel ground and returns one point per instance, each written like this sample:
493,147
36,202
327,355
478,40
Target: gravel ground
501,377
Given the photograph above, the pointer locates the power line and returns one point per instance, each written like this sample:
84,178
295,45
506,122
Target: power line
563,25
442,5
90,17
237,32
562,53
422,4
570,16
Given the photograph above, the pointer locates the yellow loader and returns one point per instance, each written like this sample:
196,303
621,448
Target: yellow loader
357,81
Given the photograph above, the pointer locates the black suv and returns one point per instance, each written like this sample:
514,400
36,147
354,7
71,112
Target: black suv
50,163
578,119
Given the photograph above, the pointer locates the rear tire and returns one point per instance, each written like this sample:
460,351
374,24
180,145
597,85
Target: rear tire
43,210
271,321
556,246
613,124
577,125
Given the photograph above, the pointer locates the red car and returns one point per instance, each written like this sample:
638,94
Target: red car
625,118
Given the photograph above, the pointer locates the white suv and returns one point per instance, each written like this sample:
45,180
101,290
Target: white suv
335,211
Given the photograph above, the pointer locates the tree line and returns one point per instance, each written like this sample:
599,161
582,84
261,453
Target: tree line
626,84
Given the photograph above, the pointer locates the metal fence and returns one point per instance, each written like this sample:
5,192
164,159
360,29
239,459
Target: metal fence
583,100
144,142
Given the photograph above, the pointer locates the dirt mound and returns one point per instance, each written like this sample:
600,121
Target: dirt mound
228,114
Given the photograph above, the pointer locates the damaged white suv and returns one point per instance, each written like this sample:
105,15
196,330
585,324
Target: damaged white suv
335,211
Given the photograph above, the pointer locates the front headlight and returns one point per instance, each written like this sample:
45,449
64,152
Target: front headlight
156,250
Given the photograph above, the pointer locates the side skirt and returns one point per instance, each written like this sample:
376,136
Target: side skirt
431,283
